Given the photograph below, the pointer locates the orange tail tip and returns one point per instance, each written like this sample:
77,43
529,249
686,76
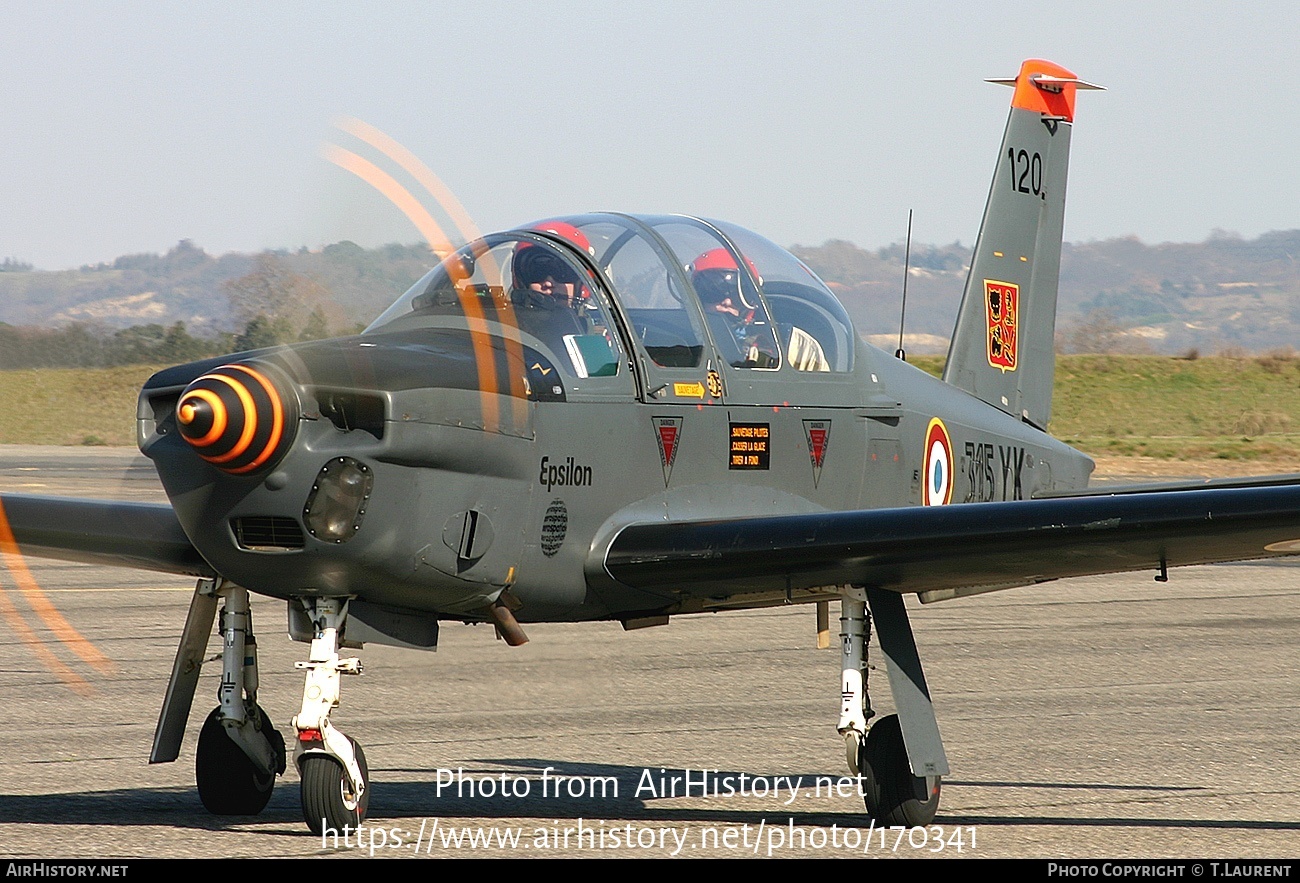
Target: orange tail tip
1046,88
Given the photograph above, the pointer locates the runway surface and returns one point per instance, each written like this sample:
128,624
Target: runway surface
1101,717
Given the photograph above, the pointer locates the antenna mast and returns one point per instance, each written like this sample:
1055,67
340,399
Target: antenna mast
900,353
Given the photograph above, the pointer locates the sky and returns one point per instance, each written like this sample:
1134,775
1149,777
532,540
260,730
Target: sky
128,126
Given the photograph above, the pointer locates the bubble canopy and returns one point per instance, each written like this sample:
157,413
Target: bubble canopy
685,289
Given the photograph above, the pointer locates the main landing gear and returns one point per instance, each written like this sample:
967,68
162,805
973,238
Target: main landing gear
240,753
893,792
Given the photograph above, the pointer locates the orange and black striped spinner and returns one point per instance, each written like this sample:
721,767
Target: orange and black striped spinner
237,419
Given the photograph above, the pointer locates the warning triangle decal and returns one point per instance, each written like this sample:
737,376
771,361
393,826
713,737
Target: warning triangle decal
818,435
668,432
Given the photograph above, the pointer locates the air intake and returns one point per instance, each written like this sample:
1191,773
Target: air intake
267,533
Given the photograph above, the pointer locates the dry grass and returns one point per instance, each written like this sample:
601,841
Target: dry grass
1233,408
1228,407
64,406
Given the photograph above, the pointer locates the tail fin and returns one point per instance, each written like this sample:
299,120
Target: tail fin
1002,348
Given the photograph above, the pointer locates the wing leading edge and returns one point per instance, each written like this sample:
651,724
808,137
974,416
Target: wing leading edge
945,552
146,536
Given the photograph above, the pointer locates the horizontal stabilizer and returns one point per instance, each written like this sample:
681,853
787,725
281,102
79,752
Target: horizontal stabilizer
1048,80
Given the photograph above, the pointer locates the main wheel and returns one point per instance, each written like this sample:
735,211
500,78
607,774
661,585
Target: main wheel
328,800
229,783
893,795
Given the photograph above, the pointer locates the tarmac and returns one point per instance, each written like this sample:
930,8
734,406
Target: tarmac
1094,718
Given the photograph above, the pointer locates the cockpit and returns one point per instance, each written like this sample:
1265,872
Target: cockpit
602,293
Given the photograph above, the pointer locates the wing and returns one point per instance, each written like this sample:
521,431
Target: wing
949,551
141,535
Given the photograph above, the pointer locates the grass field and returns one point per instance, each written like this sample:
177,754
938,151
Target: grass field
1188,410
67,406
1216,408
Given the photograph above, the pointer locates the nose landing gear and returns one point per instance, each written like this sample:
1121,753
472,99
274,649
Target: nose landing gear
335,778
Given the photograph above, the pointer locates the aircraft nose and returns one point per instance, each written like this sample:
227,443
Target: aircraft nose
237,418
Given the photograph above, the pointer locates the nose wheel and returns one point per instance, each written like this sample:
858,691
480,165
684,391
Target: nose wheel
329,799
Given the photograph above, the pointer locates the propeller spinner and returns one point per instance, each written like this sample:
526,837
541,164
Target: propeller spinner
237,418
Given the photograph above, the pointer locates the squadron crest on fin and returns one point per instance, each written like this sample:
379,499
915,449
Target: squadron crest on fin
1002,310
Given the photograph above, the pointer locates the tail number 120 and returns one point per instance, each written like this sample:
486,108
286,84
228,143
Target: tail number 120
1026,172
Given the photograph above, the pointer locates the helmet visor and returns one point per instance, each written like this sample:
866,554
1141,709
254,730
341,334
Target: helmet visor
715,286
534,265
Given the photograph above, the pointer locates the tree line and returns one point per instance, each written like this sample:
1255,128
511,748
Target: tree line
83,345
270,305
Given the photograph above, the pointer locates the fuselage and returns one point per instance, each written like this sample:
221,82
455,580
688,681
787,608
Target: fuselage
469,446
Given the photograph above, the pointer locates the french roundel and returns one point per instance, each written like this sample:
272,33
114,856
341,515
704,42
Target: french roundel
936,486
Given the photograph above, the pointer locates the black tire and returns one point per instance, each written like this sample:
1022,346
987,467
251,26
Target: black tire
229,784
892,794
327,801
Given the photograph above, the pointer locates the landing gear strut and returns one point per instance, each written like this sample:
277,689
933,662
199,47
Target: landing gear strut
240,753
855,703
335,779
893,793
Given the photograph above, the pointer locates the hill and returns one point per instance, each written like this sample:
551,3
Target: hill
191,286
1118,295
